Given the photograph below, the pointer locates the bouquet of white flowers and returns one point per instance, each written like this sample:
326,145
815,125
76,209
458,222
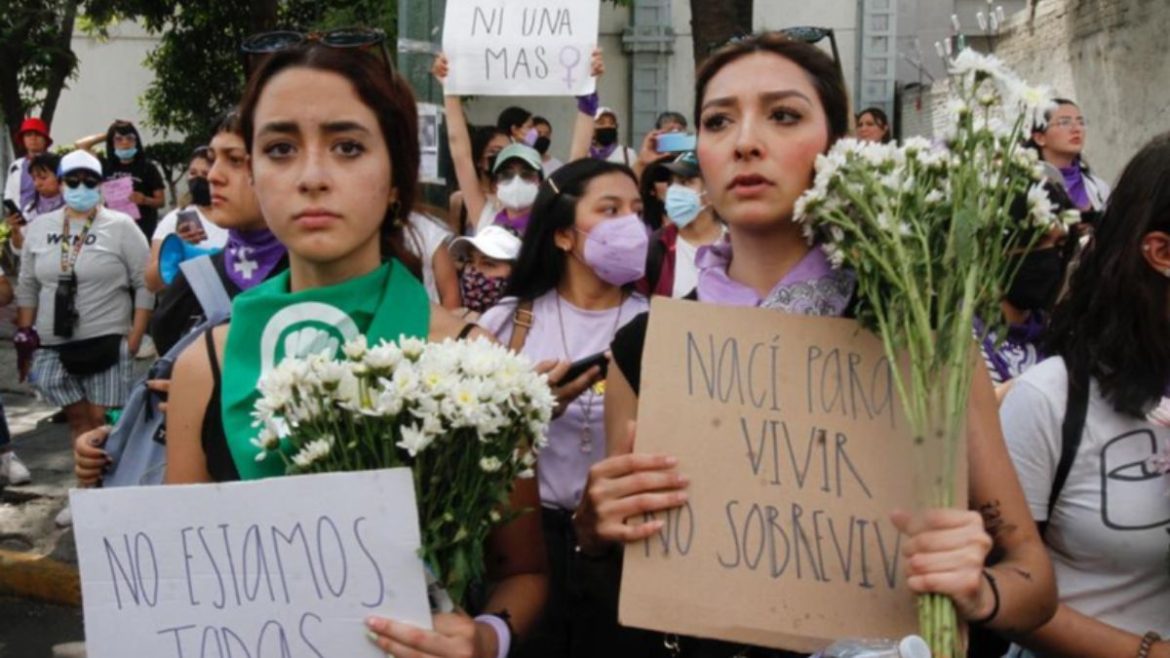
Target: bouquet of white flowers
935,234
467,416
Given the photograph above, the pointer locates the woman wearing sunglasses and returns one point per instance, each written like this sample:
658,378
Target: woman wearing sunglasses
83,298
332,138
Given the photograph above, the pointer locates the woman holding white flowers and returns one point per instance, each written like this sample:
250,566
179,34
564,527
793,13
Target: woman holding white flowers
332,140
569,294
1094,466
766,107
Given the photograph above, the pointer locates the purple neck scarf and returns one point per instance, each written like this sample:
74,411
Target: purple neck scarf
813,287
28,190
1021,347
1074,184
518,224
602,152
49,204
250,256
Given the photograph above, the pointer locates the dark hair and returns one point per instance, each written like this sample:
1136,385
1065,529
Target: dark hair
388,95
480,138
228,122
511,117
1114,322
120,127
540,265
670,115
541,121
822,72
880,118
201,153
47,161
653,208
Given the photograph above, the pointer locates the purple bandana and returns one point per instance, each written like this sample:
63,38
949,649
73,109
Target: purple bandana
1021,347
250,256
1074,184
49,204
813,287
518,224
603,152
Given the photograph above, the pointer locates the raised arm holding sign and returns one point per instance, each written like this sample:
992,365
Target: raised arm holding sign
520,47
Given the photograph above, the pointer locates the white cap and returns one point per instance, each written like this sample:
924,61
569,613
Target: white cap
602,111
493,241
80,159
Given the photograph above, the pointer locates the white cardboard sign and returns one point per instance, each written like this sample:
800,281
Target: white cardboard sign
286,566
520,47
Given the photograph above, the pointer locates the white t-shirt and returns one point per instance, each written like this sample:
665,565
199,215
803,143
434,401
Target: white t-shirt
686,273
487,216
551,165
427,236
623,155
216,236
1108,536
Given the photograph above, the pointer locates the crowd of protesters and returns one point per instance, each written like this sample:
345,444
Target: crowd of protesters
558,261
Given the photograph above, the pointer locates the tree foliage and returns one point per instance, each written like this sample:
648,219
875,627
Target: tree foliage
36,58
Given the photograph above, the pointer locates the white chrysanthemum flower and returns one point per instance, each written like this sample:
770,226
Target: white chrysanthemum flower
412,348
835,255
934,196
490,464
266,441
313,451
970,61
414,440
1040,207
383,357
355,349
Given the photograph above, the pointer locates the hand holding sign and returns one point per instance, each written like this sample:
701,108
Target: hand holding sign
455,636
520,47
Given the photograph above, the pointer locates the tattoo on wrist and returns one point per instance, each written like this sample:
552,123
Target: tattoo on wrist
1026,575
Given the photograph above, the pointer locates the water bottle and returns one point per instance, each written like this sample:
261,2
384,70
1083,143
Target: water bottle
910,646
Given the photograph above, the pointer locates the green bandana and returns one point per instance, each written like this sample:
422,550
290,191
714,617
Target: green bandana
270,323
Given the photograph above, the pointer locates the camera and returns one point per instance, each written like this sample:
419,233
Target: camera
65,306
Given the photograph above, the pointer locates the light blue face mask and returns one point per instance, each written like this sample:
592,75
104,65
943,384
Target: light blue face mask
82,198
126,154
683,204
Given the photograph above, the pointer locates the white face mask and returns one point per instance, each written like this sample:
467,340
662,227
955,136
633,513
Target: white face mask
517,193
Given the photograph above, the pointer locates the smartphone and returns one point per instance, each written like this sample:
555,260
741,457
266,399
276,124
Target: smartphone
580,366
10,208
675,142
187,220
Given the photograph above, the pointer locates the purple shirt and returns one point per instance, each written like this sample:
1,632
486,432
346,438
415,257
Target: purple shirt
576,440
28,190
812,287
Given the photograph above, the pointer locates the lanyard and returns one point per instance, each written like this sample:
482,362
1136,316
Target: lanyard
68,259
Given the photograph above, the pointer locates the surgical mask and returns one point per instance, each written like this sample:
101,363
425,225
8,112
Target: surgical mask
517,193
616,250
480,291
530,136
682,204
126,154
200,190
82,198
605,136
541,145
1038,280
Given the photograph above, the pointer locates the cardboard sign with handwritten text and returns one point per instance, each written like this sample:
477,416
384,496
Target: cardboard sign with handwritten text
792,434
520,47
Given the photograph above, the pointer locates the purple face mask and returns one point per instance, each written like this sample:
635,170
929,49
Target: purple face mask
616,250
530,136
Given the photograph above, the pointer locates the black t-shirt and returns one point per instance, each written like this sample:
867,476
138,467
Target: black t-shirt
147,180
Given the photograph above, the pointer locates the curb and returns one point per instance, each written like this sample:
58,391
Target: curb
39,577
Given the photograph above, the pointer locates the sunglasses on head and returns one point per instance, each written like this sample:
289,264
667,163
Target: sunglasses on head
73,180
259,46
805,33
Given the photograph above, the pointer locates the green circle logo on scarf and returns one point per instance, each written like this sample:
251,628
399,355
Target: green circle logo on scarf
270,324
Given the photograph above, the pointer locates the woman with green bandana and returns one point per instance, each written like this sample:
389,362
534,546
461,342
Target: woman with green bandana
332,137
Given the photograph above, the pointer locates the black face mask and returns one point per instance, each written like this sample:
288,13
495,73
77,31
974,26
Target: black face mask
200,190
541,145
605,136
1038,280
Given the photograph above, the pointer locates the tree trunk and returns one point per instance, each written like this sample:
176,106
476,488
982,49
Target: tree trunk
63,64
714,22
263,15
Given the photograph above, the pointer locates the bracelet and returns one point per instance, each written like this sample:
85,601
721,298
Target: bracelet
503,629
995,595
1148,641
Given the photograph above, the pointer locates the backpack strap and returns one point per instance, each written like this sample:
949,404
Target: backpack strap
655,258
208,288
1071,430
521,324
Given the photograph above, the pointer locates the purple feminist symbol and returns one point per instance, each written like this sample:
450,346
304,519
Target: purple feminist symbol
575,55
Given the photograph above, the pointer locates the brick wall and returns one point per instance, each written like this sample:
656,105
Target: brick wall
1110,56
